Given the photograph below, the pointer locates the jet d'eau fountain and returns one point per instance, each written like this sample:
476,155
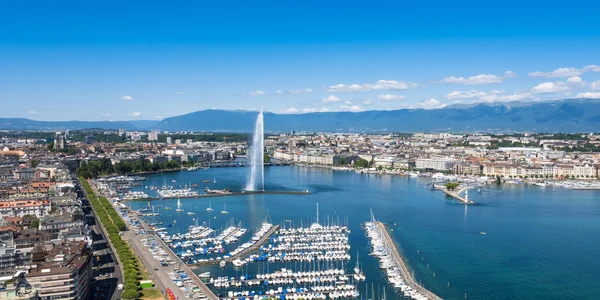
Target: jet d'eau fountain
256,181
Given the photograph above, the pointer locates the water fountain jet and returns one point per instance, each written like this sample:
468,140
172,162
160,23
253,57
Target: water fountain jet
257,153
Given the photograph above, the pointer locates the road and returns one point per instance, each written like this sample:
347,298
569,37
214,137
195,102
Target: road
157,272
106,272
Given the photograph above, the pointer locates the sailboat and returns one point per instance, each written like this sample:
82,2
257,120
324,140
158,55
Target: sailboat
179,206
358,274
209,209
224,211
214,180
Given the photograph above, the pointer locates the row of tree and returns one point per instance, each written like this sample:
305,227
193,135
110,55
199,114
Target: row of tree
113,224
103,167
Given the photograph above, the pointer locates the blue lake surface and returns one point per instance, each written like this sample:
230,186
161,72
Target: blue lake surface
541,243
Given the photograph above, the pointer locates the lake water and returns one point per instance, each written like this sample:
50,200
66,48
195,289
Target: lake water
541,243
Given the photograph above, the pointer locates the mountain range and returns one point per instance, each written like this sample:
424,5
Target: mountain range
569,115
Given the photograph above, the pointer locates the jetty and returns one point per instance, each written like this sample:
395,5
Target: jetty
456,195
254,247
243,193
410,281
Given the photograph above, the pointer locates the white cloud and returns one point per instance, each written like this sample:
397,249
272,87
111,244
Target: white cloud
389,97
550,87
300,91
560,72
32,112
591,68
107,114
179,93
466,94
291,110
127,98
159,117
591,95
510,74
331,98
491,96
136,114
257,93
352,108
379,85
429,104
595,85
477,79
367,102
279,92
348,102
575,80
312,110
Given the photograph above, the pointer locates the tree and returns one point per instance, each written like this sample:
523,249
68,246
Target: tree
342,161
130,294
451,186
35,223
266,158
362,163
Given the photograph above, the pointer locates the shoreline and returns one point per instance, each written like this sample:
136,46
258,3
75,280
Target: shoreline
225,195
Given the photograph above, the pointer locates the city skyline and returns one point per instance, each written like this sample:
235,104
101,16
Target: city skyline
100,63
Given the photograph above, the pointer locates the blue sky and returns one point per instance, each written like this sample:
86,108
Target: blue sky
65,60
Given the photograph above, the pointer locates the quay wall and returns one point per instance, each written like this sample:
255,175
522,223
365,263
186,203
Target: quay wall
410,281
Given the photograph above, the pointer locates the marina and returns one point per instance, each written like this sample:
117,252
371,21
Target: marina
425,224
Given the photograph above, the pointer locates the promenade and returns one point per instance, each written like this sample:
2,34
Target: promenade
182,266
410,281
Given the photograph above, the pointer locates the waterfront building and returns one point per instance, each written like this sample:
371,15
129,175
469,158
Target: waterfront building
439,164
169,140
467,169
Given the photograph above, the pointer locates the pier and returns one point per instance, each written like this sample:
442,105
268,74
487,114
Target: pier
243,193
254,247
456,195
410,281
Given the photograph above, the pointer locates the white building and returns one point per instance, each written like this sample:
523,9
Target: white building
441,164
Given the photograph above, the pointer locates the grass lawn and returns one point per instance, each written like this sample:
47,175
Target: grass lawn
151,294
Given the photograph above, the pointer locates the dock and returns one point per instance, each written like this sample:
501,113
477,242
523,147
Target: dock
244,193
254,247
410,281
456,195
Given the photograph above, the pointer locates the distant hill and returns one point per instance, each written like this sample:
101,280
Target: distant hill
27,124
572,115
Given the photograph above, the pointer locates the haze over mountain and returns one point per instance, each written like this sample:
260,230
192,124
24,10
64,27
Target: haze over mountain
572,115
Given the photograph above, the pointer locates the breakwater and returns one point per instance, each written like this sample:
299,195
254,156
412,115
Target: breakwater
410,281
456,195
